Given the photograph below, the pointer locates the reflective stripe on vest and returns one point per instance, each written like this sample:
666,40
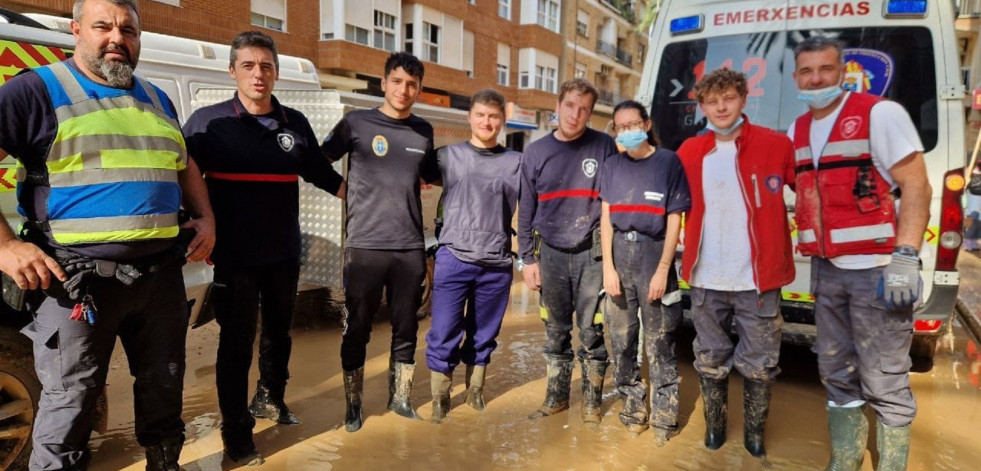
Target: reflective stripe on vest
113,165
831,219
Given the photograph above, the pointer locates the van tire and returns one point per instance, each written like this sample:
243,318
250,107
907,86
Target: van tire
921,351
19,386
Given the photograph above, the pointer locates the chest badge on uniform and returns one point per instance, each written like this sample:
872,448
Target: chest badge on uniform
849,126
285,141
589,167
774,183
379,145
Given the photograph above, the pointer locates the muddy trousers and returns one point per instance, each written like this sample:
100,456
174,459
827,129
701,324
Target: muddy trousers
72,359
757,321
635,262
400,273
238,294
454,283
571,282
862,347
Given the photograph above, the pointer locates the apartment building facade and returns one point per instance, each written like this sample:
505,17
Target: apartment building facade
968,30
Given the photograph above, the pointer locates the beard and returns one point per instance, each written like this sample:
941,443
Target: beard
119,74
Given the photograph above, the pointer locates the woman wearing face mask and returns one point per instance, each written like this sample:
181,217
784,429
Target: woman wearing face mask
644,192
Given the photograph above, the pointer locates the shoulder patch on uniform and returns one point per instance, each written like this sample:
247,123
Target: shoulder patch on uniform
850,126
379,145
774,183
285,141
589,167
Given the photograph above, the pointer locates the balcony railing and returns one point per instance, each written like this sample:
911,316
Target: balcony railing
606,48
609,98
624,58
624,8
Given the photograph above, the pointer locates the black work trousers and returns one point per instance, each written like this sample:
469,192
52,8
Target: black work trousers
366,273
238,294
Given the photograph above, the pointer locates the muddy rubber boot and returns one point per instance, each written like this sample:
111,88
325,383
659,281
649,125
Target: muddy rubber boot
354,395
715,394
849,431
475,386
441,384
634,414
756,405
240,447
268,403
164,455
593,372
399,388
662,435
893,443
559,377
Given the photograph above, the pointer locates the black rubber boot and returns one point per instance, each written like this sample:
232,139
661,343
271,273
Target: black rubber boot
441,383
164,455
893,443
849,434
475,386
593,372
353,396
715,393
559,372
399,388
268,403
634,413
240,447
756,406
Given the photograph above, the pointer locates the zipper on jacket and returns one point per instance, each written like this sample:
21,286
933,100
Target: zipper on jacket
756,190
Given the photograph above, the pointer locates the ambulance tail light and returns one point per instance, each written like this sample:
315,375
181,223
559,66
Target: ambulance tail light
951,220
905,9
687,25
927,326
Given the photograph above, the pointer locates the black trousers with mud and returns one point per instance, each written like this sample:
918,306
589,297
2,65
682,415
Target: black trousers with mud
238,293
635,262
571,283
400,273
757,321
72,361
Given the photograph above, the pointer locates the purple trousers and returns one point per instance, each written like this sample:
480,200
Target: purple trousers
484,292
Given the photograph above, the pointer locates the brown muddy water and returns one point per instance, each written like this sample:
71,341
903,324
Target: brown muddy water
945,432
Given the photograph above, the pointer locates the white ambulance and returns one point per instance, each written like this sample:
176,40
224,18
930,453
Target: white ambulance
900,49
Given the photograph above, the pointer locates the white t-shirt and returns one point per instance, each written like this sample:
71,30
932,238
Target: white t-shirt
892,137
724,254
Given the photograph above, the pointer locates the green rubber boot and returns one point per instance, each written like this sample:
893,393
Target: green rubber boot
849,432
893,443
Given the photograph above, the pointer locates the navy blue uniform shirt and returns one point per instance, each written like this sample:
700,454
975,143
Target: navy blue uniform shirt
641,193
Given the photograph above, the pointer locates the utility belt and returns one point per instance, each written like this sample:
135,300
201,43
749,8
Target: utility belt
634,236
593,243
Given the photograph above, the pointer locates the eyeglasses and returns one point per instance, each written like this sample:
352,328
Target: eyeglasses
634,126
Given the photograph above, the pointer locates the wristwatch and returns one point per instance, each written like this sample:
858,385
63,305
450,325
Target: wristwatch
907,250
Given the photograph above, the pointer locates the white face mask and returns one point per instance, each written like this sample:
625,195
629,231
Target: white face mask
820,98
724,131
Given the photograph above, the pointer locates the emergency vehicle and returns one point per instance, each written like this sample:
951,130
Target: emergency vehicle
898,49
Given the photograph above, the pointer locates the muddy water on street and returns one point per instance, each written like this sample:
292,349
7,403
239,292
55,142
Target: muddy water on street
501,438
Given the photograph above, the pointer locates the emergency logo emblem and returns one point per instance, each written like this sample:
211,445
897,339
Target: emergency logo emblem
379,145
849,126
589,167
773,183
285,141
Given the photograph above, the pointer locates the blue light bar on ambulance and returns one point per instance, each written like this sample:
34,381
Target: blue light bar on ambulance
906,8
687,25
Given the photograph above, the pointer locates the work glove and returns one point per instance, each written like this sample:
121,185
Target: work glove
900,284
78,270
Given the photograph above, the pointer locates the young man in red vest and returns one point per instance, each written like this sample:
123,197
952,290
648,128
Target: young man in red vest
852,151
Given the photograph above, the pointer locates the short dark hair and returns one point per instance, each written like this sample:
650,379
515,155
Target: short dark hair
580,85
252,39
720,80
819,43
409,63
80,4
635,105
490,97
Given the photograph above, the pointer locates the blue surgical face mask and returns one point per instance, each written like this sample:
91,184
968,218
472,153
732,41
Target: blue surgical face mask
726,131
631,140
821,98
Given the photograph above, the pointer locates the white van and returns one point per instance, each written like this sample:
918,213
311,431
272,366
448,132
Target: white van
902,50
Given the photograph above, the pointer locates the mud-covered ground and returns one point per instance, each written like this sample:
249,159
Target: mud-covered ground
945,434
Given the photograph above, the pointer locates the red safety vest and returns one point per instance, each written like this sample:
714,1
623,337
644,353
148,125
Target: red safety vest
844,206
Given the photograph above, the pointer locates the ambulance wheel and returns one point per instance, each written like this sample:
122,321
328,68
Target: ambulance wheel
921,351
19,394
426,307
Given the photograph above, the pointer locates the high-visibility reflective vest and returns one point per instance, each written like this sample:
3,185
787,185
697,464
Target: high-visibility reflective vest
112,167
844,206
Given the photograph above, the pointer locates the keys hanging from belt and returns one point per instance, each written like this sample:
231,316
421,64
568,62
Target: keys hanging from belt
84,311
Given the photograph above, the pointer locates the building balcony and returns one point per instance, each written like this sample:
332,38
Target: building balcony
609,98
624,58
624,8
605,48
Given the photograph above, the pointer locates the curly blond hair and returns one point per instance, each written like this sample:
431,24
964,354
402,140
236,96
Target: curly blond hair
720,80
